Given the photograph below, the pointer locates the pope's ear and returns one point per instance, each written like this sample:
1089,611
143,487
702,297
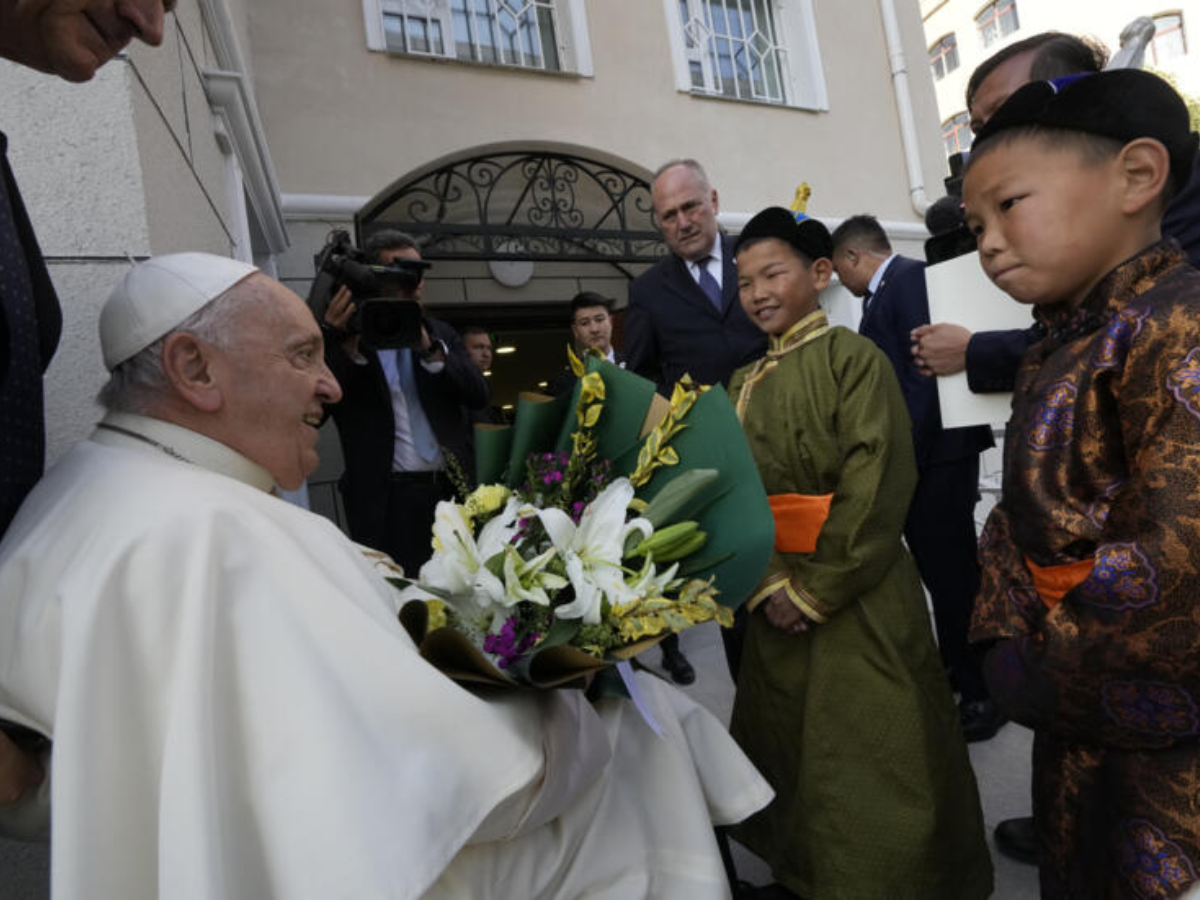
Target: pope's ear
188,365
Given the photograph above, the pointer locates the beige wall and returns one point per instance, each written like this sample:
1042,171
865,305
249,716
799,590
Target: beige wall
344,120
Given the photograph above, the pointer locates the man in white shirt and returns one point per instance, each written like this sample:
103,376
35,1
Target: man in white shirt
235,710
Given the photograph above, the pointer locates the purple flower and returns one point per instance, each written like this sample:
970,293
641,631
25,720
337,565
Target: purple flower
506,645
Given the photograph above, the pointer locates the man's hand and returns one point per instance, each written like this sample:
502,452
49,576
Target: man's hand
431,350
940,349
338,315
19,772
783,614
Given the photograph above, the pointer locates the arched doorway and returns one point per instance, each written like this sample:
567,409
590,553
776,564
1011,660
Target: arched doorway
516,230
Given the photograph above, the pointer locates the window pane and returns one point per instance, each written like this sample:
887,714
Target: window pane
1169,41
742,56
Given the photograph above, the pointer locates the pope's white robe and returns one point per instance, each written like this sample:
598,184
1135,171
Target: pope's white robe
236,713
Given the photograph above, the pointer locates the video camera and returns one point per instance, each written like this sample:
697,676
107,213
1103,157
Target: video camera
383,319
951,236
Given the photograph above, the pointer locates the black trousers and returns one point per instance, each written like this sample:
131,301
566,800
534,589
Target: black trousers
940,532
411,501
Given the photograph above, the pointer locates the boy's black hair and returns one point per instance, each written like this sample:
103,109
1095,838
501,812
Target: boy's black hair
1057,54
1100,113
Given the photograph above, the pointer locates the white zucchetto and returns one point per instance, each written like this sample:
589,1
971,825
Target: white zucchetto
158,295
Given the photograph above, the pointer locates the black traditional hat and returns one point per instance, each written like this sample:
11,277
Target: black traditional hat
808,236
1123,104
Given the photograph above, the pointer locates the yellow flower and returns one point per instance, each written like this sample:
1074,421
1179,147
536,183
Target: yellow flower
437,614
485,499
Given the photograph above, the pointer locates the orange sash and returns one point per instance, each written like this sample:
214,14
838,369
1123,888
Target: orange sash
1055,582
798,520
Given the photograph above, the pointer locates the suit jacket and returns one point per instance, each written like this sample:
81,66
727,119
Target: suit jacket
671,327
564,381
993,357
898,306
367,426
30,326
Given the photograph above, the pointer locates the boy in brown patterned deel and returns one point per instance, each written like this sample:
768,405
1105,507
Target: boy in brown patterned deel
1089,608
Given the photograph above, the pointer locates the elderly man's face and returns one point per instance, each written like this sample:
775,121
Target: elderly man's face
74,38
274,383
686,211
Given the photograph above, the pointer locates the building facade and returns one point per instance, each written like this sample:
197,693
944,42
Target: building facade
960,34
517,136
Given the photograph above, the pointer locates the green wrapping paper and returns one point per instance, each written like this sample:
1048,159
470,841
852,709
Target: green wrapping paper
741,530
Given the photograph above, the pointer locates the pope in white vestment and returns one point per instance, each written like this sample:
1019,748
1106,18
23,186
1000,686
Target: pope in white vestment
237,713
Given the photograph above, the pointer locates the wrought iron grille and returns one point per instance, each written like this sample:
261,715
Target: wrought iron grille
734,49
524,205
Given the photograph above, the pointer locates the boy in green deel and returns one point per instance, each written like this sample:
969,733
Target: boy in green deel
1090,602
842,702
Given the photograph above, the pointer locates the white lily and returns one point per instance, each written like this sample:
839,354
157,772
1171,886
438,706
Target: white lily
457,566
592,550
650,583
526,579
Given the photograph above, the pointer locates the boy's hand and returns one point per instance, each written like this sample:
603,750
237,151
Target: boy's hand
783,614
19,772
940,349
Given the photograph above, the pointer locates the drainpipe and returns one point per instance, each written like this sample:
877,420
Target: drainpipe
908,122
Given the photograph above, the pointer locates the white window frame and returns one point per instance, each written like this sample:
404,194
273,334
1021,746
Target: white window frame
803,77
1181,28
940,50
571,34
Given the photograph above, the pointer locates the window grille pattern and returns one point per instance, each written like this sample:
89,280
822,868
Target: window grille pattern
997,20
943,57
734,49
502,32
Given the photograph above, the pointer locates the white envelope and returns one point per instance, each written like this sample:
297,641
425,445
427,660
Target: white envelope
960,293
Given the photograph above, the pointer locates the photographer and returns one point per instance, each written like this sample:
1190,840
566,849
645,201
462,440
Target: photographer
404,410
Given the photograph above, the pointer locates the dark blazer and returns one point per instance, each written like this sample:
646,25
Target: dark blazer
564,381
367,426
993,358
30,326
671,327
898,306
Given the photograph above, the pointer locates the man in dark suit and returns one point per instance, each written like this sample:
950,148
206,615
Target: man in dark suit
683,313
940,530
591,329
403,414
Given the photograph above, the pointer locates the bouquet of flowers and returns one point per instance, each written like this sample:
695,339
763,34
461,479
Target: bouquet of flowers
604,520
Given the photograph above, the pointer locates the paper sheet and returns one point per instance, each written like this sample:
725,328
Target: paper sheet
960,293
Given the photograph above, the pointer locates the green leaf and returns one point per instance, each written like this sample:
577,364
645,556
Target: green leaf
495,564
